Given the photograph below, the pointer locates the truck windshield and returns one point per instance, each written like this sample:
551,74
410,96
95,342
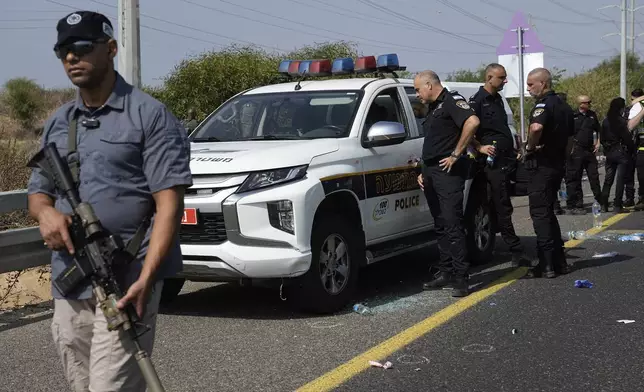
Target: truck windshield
281,116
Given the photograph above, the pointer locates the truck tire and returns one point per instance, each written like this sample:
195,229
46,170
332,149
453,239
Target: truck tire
481,231
338,252
171,289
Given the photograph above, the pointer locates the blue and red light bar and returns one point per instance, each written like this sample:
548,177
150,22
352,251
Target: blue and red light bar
340,66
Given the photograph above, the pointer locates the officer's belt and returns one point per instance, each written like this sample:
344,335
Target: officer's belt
134,244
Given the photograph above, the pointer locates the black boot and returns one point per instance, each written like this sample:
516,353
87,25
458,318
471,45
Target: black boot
640,205
441,280
618,209
461,287
519,261
549,264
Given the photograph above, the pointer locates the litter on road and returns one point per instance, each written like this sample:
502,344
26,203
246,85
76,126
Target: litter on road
626,321
605,255
386,365
583,284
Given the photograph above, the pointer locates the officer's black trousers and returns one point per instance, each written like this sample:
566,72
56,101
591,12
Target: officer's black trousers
444,194
639,163
581,159
629,180
499,181
542,191
617,162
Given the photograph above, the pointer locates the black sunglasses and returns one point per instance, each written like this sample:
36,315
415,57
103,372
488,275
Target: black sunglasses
78,48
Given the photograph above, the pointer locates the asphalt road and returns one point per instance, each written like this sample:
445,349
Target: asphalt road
229,338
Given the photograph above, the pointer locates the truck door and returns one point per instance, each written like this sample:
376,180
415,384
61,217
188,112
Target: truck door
393,197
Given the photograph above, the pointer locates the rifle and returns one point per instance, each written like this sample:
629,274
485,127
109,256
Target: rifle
100,256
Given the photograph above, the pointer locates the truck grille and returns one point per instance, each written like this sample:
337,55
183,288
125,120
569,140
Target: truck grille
210,230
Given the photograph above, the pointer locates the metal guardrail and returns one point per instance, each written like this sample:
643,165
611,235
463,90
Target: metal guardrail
20,248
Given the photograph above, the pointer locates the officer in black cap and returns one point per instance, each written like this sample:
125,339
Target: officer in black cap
129,158
549,135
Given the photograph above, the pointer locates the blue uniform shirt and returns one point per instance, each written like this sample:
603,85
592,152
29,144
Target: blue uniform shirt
138,149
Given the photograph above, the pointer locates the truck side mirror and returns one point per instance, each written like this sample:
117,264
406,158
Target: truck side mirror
385,133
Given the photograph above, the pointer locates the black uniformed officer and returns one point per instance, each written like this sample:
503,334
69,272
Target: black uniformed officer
582,157
544,157
639,164
571,129
494,130
619,149
629,186
449,127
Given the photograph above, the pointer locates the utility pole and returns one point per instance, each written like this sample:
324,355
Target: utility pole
632,26
622,73
129,41
520,47
623,38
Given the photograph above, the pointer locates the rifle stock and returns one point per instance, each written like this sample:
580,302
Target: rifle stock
100,256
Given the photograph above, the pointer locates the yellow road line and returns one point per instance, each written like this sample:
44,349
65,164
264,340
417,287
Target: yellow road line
607,223
349,369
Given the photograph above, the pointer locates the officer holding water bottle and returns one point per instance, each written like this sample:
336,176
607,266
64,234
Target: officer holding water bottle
494,141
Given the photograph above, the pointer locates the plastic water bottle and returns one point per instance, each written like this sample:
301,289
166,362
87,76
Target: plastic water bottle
361,309
490,159
563,193
577,235
597,215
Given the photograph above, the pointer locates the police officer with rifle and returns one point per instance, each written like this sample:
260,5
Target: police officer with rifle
129,166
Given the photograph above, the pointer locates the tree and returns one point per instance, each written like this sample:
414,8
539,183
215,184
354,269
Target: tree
467,75
206,81
25,100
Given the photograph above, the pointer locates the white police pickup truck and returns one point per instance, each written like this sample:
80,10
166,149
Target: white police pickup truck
308,181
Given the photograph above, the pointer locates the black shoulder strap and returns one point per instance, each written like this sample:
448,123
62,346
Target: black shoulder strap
72,144
134,244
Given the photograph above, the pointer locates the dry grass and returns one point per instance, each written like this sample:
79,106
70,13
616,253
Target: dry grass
22,288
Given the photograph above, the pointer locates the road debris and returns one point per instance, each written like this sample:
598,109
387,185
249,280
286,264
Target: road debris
605,255
387,365
583,283
362,309
626,321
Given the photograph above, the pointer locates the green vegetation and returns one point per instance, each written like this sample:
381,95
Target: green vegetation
601,83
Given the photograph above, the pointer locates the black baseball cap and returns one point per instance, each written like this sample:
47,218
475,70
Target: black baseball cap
83,26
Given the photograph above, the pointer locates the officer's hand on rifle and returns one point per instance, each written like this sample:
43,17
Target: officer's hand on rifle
54,229
138,294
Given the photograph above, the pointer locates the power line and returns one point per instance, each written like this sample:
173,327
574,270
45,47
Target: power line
542,19
576,11
194,28
389,45
418,23
471,16
489,24
142,25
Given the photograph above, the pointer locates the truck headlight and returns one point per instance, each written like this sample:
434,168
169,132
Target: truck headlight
268,178
280,215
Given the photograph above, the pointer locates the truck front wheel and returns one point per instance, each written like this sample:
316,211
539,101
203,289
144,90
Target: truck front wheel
337,254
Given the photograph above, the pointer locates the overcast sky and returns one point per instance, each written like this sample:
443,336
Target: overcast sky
421,32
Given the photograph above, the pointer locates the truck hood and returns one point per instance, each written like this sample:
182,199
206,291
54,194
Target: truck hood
248,156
